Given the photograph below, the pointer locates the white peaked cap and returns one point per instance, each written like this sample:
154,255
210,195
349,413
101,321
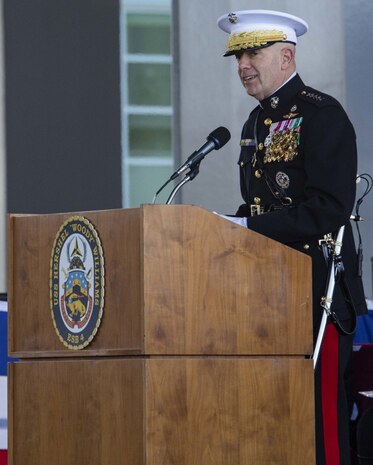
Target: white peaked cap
252,29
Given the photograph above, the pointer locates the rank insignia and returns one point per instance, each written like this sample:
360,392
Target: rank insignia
282,180
312,96
283,140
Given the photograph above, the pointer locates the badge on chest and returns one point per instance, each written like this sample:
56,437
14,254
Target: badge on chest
283,140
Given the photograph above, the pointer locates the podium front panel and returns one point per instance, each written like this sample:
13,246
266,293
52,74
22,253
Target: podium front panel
230,411
31,330
76,412
214,287
162,411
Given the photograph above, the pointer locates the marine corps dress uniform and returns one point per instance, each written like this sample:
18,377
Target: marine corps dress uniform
298,180
298,168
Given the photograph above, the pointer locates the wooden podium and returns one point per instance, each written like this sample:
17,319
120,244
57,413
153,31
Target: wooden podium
199,358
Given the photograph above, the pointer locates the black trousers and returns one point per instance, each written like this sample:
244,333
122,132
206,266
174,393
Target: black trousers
332,399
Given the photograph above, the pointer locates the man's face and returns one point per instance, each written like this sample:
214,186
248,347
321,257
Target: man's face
262,71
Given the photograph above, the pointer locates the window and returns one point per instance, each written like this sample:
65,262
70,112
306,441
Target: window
147,160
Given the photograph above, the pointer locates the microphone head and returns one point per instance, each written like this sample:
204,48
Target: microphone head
219,137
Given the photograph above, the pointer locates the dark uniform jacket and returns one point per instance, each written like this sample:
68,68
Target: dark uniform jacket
298,165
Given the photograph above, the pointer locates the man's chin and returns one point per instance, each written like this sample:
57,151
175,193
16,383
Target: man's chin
253,94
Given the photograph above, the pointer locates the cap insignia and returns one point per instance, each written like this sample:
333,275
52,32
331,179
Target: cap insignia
232,18
253,39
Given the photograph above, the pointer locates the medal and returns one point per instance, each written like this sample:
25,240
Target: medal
268,140
282,180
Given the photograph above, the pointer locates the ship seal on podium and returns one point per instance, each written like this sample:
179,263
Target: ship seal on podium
77,282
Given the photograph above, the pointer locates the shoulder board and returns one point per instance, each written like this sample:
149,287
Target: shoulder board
317,98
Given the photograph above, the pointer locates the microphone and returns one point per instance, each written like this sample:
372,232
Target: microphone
215,141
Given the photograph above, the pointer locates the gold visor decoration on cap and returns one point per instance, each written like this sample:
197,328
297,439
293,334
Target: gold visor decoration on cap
245,40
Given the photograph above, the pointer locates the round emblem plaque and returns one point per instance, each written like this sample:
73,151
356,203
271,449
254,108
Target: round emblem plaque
77,282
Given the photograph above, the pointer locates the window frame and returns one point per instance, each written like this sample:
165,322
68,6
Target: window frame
139,7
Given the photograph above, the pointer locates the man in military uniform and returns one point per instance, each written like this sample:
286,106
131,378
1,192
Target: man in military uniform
298,166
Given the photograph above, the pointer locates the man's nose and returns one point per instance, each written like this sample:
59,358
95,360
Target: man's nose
244,61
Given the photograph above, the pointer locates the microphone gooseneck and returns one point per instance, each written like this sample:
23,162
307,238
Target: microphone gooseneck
215,141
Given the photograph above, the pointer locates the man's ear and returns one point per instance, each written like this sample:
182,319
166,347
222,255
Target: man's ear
287,57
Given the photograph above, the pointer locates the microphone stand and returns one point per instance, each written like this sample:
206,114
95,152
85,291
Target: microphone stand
188,177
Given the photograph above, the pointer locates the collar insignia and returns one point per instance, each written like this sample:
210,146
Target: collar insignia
274,102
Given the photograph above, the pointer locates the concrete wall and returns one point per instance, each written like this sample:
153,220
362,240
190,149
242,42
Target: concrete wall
359,72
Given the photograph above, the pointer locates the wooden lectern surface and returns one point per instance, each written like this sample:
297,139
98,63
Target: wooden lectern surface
162,411
229,411
199,358
214,287
179,280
